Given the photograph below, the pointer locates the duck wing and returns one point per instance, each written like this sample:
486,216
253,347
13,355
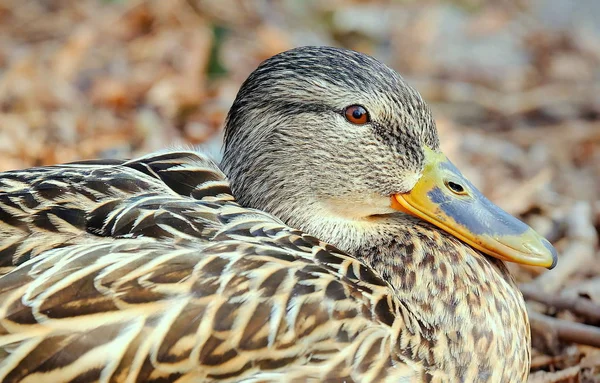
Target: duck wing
55,206
149,271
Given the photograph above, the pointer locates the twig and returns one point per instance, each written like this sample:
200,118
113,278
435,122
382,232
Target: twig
540,361
565,330
579,306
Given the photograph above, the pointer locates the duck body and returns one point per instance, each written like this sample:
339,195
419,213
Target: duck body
155,280
158,303
150,270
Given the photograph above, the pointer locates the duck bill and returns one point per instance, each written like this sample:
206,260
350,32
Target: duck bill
445,198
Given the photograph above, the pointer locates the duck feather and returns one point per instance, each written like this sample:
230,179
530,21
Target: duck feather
123,271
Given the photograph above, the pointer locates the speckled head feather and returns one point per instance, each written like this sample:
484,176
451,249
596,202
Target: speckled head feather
296,100
326,79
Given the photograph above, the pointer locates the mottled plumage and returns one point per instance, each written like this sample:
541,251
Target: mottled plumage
151,270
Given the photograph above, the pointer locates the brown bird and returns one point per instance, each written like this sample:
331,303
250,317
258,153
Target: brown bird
334,243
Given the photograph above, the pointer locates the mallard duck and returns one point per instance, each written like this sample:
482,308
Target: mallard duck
333,243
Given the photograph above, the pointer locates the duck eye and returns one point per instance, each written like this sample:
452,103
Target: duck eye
456,188
357,115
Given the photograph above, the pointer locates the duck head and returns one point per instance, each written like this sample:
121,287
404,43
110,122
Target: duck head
332,141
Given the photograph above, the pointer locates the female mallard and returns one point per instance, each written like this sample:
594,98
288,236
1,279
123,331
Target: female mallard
149,270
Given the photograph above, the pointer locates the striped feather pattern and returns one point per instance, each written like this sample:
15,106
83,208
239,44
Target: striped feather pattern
148,270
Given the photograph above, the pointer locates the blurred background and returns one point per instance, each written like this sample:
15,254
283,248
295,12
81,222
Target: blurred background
515,88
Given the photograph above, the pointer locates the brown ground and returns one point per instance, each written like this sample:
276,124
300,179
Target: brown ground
515,86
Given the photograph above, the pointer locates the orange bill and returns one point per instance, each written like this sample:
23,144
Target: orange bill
445,198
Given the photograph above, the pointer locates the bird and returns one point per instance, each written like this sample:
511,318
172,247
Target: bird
333,242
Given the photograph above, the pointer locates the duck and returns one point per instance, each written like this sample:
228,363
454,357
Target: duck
333,242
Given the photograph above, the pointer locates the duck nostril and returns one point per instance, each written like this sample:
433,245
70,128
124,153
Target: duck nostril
456,188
